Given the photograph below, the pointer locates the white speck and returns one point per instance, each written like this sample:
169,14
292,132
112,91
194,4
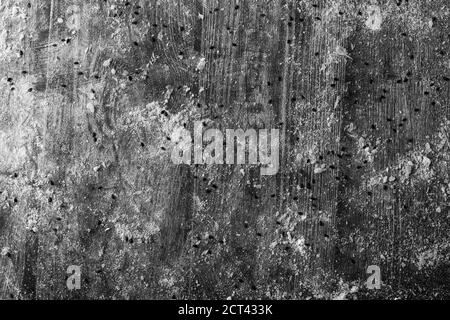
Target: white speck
320,169
374,18
90,107
201,64
341,51
341,296
106,63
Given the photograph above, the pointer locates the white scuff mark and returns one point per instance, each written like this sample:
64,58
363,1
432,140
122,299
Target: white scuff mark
341,51
320,169
168,93
375,18
160,36
201,64
73,17
426,162
107,63
90,107
299,246
341,296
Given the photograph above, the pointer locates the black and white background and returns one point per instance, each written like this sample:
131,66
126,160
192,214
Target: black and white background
92,207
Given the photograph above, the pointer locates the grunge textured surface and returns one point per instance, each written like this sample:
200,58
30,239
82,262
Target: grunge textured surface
91,91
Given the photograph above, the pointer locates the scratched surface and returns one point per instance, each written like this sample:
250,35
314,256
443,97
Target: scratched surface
91,91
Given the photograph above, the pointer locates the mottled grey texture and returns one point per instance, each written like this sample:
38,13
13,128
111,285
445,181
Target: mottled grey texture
91,92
